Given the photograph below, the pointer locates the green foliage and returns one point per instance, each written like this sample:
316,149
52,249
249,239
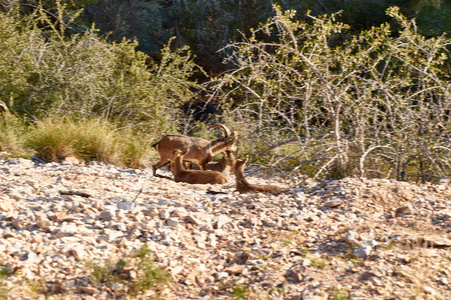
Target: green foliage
339,294
207,26
83,76
13,136
148,275
433,17
135,149
3,290
54,139
336,98
143,20
99,273
240,291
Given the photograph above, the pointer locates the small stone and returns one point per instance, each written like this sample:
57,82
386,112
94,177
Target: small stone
442,280
134,234
71,160
193,220
306,262
88,290
6,204
221,275
106,215
363,252
430,198
403,210
127,205
78,251
138,217
334,203
67,230
164,214
163,202
222,220
352,237
172,222
235,269
428,290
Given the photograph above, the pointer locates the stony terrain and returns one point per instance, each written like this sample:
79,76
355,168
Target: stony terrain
353,238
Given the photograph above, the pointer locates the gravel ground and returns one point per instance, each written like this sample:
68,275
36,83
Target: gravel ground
352,238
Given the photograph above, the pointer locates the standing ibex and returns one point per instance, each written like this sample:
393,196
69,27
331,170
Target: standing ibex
200,151
193,176
243,186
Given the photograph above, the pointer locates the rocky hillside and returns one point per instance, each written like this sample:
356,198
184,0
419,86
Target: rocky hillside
352,238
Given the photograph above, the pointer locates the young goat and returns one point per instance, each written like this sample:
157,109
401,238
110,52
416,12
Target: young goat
200,151
227,159
193,176
243,186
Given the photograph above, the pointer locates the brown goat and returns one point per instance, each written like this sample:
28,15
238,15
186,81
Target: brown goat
227,159
193,176
200,151
243,186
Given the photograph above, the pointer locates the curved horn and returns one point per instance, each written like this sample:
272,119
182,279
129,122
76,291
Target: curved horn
3,106
226,130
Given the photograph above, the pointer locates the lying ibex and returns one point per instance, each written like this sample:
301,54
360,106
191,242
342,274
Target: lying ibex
227,159
193,176
243,186
200,151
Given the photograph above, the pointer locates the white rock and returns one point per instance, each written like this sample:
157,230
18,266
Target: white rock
363,252
352,237
221,221
172,222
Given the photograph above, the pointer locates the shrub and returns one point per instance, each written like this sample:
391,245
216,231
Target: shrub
13,136
325,102
54,139
48,70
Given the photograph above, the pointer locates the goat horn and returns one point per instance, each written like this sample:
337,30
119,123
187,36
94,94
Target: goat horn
226,130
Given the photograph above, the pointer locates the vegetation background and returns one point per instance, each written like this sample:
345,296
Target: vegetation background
326,89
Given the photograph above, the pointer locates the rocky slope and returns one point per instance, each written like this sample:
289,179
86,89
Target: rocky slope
353,238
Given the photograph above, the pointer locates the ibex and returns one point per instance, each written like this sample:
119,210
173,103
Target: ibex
3,108
193,176
200,151
227,159
243,186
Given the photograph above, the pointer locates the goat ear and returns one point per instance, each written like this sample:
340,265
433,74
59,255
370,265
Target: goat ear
246,158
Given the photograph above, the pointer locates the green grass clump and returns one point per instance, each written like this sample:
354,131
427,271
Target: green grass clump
339,294
240,291
13,136
148,276
4,272
135,149
54,139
